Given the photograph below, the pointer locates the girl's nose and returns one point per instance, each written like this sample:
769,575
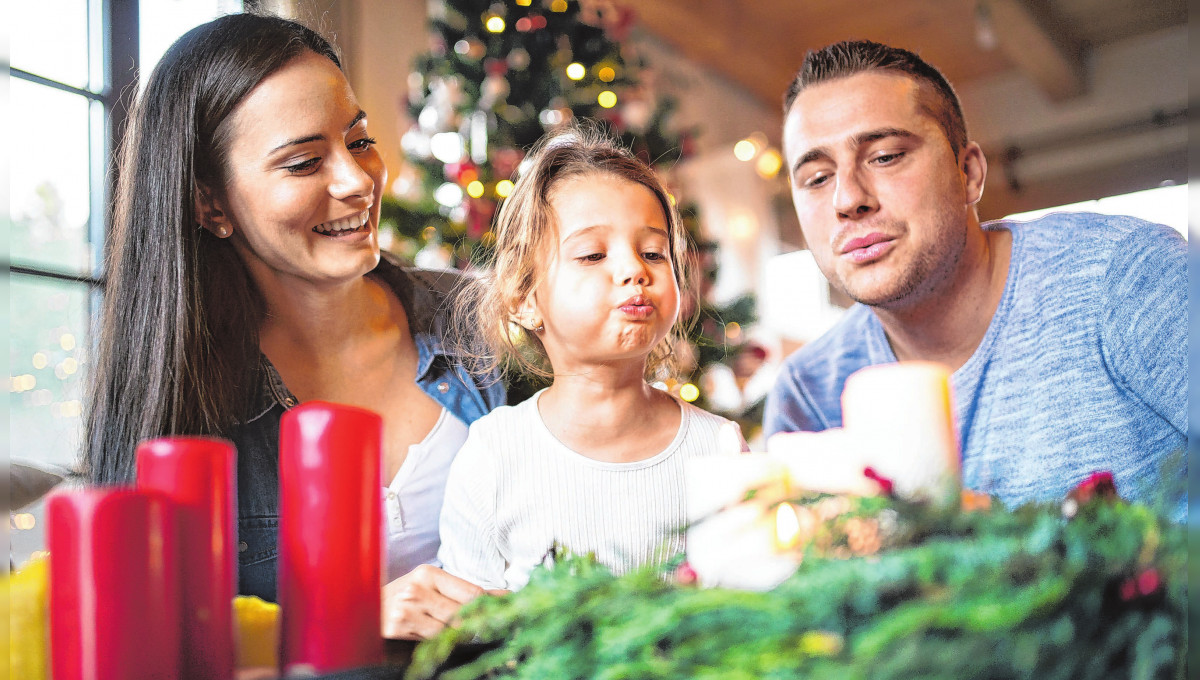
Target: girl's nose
632,271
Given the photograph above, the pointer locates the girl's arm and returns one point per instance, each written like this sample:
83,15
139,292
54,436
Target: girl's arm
469,548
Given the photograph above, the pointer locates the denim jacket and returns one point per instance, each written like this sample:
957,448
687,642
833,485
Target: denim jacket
425,295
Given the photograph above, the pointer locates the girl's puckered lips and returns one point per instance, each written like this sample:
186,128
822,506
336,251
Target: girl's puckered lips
637,307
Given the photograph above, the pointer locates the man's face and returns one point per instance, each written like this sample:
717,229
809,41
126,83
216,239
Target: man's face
882,201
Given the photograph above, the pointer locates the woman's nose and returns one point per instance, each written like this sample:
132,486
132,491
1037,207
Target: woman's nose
350,179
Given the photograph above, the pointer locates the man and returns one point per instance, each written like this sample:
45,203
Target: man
1067,335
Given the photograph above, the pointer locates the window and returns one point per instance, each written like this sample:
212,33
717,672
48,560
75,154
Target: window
71,61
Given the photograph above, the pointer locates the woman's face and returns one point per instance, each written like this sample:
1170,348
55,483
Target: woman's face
301,201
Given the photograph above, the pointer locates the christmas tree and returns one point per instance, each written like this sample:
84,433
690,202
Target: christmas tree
498,76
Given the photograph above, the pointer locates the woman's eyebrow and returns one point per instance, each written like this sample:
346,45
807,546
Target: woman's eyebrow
318,137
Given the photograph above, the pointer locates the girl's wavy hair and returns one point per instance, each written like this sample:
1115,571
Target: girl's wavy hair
526,237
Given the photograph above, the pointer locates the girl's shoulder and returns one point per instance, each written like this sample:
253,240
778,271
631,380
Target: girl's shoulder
705,425
507,418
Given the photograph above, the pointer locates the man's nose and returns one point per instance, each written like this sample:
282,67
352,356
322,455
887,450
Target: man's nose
852,197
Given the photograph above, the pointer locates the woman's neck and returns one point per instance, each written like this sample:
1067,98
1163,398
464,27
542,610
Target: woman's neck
315,322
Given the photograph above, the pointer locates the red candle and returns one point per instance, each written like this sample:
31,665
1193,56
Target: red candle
197,474
330,540
114,586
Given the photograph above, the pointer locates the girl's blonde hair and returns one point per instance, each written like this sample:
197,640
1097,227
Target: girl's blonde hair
526,231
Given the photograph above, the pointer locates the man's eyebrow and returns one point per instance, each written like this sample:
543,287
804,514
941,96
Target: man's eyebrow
318,137
856,141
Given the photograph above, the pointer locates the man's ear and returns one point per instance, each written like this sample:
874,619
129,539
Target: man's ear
210,213
973,165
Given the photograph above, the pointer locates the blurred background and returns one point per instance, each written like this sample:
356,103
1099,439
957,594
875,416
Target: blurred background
1078,105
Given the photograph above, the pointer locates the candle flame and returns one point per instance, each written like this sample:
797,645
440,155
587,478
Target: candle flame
787,526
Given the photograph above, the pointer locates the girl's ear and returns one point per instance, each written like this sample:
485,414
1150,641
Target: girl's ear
527,315
210,214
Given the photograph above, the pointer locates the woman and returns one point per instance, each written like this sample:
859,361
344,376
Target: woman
244,276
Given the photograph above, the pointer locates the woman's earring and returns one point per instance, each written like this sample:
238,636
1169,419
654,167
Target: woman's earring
222,231
540,327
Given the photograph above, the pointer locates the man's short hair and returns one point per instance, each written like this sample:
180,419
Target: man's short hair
852,57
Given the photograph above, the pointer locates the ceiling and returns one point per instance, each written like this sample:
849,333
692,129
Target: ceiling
759,44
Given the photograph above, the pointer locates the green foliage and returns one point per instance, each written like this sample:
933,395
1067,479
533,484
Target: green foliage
983,594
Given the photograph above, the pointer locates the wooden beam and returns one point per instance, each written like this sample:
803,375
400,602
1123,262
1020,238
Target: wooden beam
1038,45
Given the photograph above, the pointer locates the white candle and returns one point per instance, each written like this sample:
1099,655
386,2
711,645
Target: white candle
901,416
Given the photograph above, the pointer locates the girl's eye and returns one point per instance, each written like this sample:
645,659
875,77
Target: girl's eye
594,257
654,256
303,167
362,144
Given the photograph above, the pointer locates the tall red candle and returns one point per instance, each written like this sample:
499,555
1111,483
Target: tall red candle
197,474
330,540
114,586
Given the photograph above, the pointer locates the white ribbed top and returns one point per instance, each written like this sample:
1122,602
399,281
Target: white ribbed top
514,490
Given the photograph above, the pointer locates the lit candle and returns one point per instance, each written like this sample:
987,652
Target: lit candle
330,540
197,475
902,417
114,586
898,425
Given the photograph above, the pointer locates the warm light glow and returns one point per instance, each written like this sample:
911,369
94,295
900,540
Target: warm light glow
22,383
67,341
449,194
524,3
475,189
787,526
576,71
495,24
447,147
40,360
504,188
744,150
607,74
768,164
467,176
743,226
23,521
733,331
671,198
462,47
607,99
429,233
69,366
558,6
689,392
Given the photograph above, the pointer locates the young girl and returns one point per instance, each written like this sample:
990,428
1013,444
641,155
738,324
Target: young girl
584,290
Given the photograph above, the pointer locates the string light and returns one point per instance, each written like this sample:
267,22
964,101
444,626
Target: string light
495,24
524,3
67,341
689,392
23,521
558,6
40,360
69,366
504,188
475,189
576,71
769,163
744,150
733,330
607,99
606,74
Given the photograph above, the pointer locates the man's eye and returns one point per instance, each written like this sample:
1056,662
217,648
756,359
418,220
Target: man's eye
817,181
886,158
303,166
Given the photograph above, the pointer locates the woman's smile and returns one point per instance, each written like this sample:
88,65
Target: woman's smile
345,226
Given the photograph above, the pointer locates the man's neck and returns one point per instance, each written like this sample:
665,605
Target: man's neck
949,322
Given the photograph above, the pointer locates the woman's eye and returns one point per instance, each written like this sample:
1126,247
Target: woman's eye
303,166
362,144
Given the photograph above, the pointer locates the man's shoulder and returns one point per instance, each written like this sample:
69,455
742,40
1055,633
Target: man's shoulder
1084,233
841,348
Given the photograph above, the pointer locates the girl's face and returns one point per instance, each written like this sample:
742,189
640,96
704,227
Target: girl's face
302,196
610,291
